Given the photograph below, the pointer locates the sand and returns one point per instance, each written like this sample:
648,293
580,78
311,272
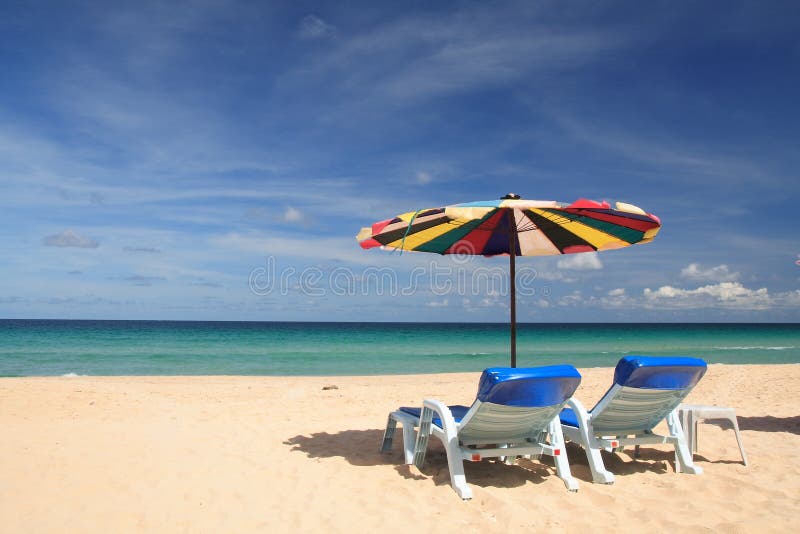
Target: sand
248,454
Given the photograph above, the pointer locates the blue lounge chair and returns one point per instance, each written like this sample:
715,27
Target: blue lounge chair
514,412
646,391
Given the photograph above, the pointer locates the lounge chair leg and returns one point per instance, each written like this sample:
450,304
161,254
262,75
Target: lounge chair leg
388,435
455,462
560,458
739,439
508,460
409,442
421,443
409,436
683,456
599,473
458,480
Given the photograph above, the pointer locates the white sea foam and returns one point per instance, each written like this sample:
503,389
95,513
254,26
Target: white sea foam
72,375
754,348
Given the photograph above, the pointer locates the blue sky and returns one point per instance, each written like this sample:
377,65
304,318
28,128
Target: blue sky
214,160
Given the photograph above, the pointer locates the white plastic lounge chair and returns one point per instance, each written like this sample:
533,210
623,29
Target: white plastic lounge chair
646,391
514,412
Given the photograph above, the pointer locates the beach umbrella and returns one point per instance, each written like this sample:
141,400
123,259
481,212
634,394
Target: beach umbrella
516,227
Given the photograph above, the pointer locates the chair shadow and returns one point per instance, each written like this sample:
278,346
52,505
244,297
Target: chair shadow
768,423
362,448
358,447
648,461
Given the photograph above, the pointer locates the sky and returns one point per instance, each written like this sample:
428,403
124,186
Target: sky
214,160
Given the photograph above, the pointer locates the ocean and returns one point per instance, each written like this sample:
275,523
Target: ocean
67,347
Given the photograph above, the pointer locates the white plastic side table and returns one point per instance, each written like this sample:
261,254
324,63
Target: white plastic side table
691,414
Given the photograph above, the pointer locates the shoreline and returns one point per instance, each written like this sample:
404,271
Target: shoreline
332,377
244,453
73,375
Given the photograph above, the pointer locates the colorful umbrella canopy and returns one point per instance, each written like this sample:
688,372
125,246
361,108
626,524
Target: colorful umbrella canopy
516,227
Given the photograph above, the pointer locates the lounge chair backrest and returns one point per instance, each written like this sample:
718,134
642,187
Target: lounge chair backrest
646,389
528,386
517,403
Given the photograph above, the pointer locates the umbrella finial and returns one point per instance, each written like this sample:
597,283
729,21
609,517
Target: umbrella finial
511,196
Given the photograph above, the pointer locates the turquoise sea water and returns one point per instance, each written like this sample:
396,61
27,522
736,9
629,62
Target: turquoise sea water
61,347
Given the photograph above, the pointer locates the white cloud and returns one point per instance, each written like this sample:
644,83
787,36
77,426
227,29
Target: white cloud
720,273
617,298
553,276
292,215
573,299
580,262
483,303
790,298
313,27
437,303
423,178
68,238
724,294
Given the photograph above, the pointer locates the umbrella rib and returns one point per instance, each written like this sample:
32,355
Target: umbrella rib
403,242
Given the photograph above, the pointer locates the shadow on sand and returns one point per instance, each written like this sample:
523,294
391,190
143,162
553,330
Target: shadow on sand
623,463
361,448
768,423
650,460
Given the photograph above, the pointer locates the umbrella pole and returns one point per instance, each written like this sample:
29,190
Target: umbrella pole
512,255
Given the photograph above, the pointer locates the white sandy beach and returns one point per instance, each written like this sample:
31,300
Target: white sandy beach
245,454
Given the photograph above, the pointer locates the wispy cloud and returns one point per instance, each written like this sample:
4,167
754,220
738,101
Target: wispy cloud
658,151
147,250
313,27
289,248
143,280
417,57
186,145
69,238
292,215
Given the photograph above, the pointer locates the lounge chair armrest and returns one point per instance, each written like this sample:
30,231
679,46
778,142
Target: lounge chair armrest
443,411
449,425
584,435
580,411
426,427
